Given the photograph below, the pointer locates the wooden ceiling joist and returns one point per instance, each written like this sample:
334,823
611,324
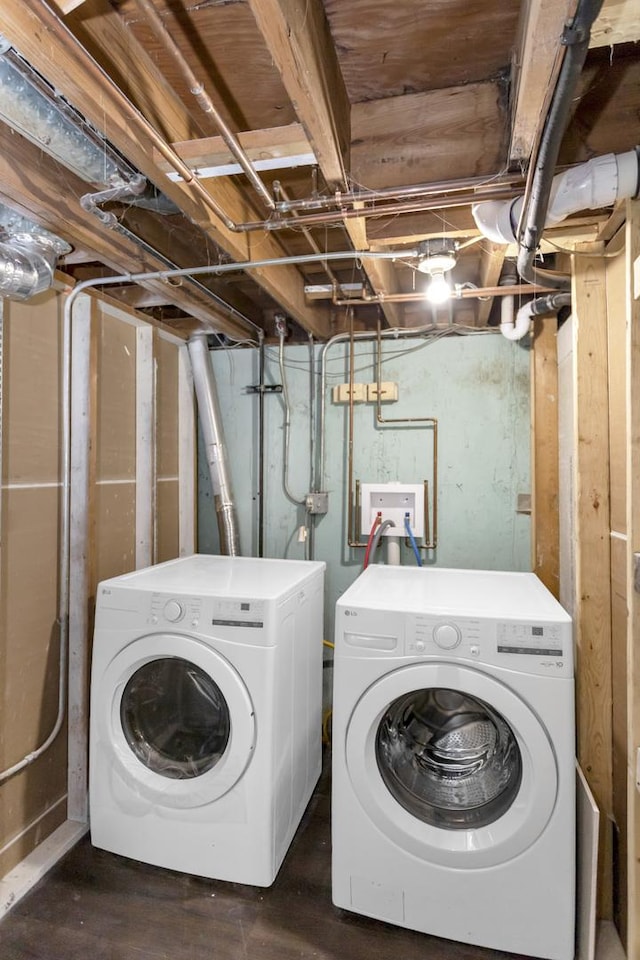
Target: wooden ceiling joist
275,144
425,137
491,263
299,40
41,37
110,40
33,197
619,22
536,63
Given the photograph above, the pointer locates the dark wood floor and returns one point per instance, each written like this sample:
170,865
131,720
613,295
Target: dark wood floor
97,906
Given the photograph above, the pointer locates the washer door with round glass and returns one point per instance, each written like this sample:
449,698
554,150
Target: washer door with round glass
451,764
179,719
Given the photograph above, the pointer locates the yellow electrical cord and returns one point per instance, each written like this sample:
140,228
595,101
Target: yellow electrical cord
326,717
326,727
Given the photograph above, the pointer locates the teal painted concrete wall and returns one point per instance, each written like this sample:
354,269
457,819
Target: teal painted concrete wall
477,387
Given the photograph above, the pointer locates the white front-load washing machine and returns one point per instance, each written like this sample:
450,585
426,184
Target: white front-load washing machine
453,804
206,700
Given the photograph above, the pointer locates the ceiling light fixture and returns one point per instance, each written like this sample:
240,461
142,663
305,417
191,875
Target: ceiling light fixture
435,258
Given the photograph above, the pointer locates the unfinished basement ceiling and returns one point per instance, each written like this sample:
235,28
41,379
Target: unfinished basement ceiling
367,95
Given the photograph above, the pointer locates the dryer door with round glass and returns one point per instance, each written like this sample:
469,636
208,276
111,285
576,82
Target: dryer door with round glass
451,764
178,718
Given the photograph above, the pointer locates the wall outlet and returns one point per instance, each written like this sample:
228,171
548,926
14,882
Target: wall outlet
388,392
340,393
392,501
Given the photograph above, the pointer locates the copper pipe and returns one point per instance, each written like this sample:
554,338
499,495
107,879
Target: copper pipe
353,539
311,241
418,206
340,199
471,293
204,100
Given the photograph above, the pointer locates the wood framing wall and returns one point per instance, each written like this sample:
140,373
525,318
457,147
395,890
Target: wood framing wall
599,491
632,316
32,803
133,458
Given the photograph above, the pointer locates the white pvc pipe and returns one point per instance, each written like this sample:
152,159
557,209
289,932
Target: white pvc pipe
597,183
514,330
393,551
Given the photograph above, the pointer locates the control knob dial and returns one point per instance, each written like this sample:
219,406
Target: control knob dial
173,611
446,636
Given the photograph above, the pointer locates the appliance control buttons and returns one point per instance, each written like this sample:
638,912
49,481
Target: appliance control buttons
173,611
474,650
420,645
446,636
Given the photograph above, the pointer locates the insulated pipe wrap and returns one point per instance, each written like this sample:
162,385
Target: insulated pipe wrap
217,461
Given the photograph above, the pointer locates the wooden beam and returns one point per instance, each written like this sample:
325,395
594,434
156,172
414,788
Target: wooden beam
535,68
619,22
633,550
381,273
427,137
545,524
46,43
272,144
66,6
605,116
25,184
592,614
110,40
491,262
300,42
386,231
34,197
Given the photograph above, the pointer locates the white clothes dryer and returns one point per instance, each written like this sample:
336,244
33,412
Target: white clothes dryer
206,700
453,806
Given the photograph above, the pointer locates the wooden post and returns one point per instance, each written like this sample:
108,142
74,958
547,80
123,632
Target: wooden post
633,549
544,460
592,610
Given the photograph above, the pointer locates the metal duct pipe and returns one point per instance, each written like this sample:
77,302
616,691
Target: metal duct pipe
211,422
27,264
31,106
125,191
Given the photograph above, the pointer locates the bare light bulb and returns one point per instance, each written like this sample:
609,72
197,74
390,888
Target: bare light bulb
438,290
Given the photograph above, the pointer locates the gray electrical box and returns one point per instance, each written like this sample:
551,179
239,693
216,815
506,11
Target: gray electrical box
317,502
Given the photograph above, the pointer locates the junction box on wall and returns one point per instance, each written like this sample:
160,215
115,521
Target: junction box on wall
392,501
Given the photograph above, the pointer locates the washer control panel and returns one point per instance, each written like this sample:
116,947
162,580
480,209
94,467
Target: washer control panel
171,610
430,635
542,648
